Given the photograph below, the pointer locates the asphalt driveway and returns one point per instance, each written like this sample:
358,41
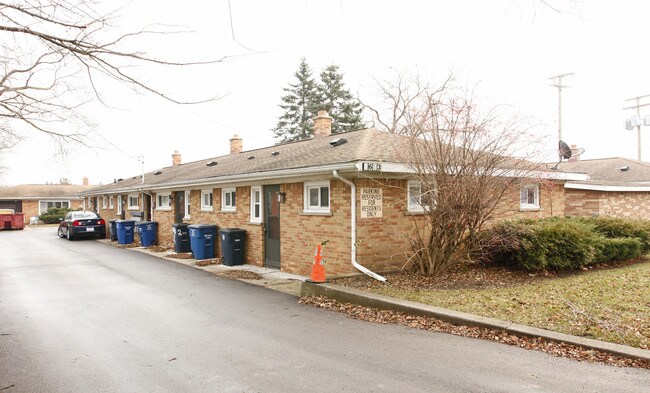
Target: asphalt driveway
84,316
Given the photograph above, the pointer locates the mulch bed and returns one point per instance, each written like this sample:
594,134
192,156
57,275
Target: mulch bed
432,324
240,275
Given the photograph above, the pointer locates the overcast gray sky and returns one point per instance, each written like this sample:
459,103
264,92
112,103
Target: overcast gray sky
504,49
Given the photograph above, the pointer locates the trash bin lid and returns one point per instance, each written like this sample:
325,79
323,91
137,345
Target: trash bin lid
202,226
146,222
231,230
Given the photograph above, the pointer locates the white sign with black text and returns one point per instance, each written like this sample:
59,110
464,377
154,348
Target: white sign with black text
371,202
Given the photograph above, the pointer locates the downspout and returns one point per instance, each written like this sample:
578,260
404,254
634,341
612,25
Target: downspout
353,224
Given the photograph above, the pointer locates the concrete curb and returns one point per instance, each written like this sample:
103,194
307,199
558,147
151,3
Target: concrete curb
354,296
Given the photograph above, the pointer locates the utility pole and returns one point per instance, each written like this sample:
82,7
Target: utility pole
558,83
638,120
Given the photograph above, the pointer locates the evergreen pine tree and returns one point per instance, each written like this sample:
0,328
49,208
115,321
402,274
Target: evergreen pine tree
299,105
338,101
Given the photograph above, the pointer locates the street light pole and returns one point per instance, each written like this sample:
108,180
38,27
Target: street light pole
559,86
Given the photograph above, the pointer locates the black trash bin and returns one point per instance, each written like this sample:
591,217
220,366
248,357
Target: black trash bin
181,238
232,246
113,224
202,240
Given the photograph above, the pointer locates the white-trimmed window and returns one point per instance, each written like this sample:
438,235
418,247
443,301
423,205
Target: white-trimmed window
228,199
133,202
256,204
317,197
206,200
43,206
104,200
119,204
163,201
529,197
419,200
110,202
187,204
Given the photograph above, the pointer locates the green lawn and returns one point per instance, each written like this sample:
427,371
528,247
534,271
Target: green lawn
609,304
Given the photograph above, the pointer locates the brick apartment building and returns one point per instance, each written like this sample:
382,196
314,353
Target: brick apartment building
291,196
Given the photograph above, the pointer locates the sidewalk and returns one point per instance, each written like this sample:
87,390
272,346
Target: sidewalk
296,285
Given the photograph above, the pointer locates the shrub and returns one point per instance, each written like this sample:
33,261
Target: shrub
568,244
612,228
54,215
511,243
618,249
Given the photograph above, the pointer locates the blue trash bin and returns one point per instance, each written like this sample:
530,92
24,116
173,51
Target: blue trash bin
113,224
232,245
202,238
147,231
125,231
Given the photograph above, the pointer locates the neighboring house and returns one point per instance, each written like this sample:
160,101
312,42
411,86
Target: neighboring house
617,187
289,197
34,199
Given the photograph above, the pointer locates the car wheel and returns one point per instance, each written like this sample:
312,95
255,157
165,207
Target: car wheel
60,233
70,237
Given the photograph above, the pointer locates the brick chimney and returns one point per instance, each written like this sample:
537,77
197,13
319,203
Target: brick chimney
574,150
236,144
322,124
176,158
84,181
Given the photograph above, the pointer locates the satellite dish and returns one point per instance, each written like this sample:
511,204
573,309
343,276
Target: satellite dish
564,150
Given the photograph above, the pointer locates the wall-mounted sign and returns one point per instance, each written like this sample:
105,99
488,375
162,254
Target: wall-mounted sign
371,166
371,202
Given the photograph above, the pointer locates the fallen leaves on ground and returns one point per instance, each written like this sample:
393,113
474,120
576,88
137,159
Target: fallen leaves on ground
427,323
159,249
206,262
181,256
240,275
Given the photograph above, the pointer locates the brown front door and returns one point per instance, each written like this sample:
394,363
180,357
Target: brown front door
272,227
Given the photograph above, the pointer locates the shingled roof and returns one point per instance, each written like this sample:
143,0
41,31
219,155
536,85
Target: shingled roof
362,145
318,154
615,171
43,191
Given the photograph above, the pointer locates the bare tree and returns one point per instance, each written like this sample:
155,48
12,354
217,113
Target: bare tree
466,164
50,50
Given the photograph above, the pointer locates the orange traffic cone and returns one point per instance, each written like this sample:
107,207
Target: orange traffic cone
318,268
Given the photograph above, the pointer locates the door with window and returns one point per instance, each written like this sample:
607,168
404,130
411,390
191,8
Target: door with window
272,226
179,206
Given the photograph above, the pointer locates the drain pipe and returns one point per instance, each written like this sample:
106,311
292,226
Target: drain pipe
353,224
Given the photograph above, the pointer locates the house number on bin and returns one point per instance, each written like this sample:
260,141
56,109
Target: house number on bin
371,202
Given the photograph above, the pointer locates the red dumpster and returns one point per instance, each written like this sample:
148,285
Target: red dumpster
11,220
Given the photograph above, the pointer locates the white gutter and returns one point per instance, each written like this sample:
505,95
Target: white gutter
353,224
599,187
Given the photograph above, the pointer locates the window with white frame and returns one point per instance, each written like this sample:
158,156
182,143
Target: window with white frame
419,198
529,197
44,206
187,204
163,201
256,204
104,200
228,199
133,202
110,202
206,200
119,204
317,197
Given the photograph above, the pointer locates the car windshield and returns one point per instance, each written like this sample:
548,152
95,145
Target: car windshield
83,215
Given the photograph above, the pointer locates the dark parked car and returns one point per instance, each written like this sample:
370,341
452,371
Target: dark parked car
82,224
